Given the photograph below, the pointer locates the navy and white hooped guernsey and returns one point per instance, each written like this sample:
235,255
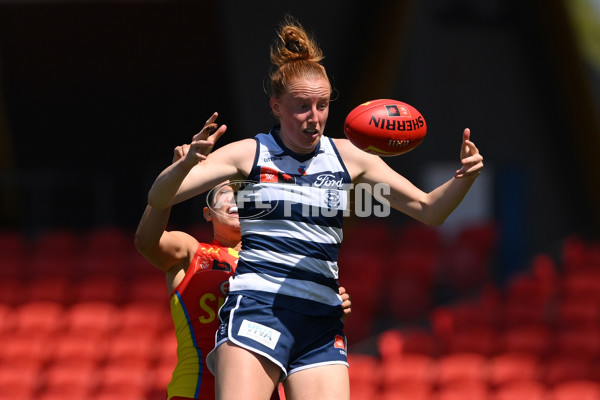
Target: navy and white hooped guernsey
291,212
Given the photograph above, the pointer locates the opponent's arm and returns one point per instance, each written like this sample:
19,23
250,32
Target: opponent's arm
200,170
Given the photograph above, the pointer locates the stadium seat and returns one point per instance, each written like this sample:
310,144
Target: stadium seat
54,288
80,347
513,366
64,378
107,239
363,372
408,391
521,312
464,366
14,266
149,287
462,390
152,316
577,311
581,341
31,348
521,390
40,317
575,390
583,284
408,284
6,318
10,291
475,338
101,287
166,348
559,368
18,380
532,338
93,318
409,368
132,347
392,343
123,381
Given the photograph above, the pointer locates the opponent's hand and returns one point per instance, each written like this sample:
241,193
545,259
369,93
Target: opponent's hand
203,141
346,302
180,151
471,160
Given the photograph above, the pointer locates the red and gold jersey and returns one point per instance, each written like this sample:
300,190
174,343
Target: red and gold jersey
194,307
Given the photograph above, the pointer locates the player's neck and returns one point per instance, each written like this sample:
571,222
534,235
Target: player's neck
234,243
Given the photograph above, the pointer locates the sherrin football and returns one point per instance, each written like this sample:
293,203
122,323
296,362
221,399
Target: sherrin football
385,127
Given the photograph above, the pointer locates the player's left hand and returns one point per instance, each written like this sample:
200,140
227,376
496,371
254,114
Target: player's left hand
346,302
470,158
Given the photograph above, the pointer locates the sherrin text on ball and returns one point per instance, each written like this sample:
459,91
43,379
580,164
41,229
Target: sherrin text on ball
385,127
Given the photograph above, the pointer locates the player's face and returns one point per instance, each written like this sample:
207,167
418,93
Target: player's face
225,211
302,113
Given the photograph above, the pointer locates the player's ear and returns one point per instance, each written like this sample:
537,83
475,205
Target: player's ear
208,215
275,106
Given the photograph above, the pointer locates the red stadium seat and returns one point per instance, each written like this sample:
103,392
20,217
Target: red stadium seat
107,288
6,318
409,368
575,390
138,347
10,291
407,390
455,367
166,345
532,338
462,390
561,368
511,367
43,317
107,239
152,316
66,378
521,390
476,338
363,372
579,341
578,311
18,380
32,348
150,287
123,381
93,318
583,284
54,288
78,348
392,343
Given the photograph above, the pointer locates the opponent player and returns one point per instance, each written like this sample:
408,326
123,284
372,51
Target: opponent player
281,317
197,275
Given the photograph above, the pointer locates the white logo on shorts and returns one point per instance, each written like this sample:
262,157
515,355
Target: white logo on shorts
262,334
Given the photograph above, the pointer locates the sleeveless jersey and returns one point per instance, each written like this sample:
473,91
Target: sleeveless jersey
291,212
194,308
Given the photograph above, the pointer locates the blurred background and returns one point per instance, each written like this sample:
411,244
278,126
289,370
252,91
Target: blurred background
94,96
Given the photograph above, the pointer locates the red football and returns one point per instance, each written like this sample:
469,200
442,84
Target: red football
385,127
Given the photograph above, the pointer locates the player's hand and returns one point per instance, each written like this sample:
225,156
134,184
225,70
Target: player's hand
203,141
180,152
346,302
471,160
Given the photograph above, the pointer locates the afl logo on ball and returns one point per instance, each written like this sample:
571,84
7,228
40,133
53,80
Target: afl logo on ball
397,111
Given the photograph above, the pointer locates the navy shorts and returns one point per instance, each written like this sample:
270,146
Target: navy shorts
291,340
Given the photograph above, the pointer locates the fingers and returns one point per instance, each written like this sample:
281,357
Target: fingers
471,159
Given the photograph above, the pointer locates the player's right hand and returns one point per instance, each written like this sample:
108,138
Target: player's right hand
203,141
